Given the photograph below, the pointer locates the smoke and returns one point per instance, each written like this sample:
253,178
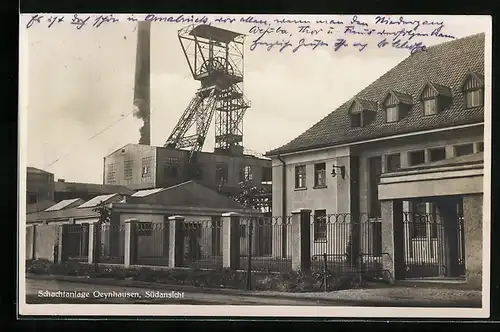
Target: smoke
142,81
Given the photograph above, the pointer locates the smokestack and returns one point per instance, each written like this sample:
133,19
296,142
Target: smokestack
142,80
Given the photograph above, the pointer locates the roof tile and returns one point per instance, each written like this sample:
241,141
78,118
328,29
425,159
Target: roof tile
445,65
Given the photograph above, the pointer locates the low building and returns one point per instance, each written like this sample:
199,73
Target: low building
200,207
427,110
68,190
39,185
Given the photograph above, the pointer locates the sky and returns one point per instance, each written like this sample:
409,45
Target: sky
76,86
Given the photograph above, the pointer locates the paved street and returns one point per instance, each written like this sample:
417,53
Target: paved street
34,286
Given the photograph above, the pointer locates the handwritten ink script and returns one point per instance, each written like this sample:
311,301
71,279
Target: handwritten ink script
282,34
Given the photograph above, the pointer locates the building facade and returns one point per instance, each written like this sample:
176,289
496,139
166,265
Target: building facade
145,167
400,121
39,185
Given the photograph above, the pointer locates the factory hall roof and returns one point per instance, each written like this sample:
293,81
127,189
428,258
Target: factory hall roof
445,67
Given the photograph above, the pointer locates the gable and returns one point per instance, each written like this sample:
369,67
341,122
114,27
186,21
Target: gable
473,81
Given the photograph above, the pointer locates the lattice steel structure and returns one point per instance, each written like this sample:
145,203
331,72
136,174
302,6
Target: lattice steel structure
215,58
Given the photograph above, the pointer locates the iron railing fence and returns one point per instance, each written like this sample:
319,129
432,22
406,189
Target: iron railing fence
433,245
202,243
346,243
75,242
111,241
265,244
150,245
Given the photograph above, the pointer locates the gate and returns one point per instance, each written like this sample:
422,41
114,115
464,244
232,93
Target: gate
433,247
75,239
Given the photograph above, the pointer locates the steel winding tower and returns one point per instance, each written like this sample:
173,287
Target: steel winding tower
215,58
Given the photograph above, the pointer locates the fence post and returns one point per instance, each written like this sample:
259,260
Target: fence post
130,247
393,240
33,243
231,240
60,247
90,246
301,240
176,241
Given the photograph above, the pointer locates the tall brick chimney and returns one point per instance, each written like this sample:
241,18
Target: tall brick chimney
142,81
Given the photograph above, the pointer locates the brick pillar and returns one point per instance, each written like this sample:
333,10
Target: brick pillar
393,240
130,243
301,240
176,241
231,240
91,243
473,231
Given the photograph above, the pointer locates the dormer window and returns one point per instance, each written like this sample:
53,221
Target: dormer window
473,90
396,105
435,98
362,112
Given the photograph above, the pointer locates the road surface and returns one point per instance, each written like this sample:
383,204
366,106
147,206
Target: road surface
42,291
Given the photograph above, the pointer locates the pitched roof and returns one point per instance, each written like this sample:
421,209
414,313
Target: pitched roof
101,198
187,194
444,65
39,206
73,212
91,188
30,169
147,192
64,204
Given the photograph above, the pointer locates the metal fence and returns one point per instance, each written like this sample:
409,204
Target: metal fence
265,244
150,243
346,243
433,246
203,242
76,242
111,239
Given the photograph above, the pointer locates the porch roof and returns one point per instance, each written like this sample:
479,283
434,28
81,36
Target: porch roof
454,176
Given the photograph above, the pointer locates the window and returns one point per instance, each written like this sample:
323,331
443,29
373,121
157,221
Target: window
417,157
267,175
170,167
430,106
248,173
462,150
128,169
300,176
391,114
356,120
393,162
374,179
197,171
437,154
480,147
473,98
221,173
320,175
320,227
419,220
111,173
146,166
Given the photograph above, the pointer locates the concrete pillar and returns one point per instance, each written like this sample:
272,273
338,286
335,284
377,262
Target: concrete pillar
176,241
473,229
450,224
301,240
393,240
231,240
449,151
91,243
130,243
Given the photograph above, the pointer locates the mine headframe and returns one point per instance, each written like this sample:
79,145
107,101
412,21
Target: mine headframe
215,58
